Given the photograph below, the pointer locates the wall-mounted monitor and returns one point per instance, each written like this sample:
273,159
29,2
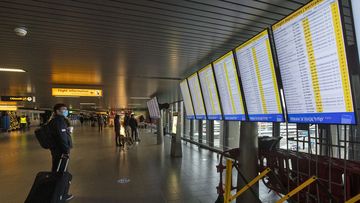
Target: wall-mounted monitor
196,96
355,11
259,81
229,88
313,65
210,93
187,99
153,107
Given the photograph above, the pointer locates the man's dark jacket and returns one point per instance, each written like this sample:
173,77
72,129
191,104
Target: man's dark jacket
62,142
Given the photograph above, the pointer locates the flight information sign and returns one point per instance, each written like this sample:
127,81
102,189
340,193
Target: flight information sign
259,82
313,65
196,96
187,100
210,93
153,107
229,88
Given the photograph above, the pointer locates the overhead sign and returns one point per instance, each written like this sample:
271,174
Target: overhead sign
210,93
153,106
356,15
17,98
229,88
187,100
8,108
313,64
76,92
257,72
196,96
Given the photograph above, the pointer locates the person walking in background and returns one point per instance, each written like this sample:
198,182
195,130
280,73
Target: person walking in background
117,127
100,123
133,125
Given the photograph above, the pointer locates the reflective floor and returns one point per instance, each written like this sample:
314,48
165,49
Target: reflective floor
97,165
101,171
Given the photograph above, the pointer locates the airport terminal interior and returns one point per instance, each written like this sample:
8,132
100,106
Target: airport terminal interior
180,101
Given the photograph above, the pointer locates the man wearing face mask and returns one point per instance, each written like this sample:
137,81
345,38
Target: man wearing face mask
61,134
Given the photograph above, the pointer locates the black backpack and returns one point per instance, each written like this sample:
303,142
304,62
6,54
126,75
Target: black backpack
43,135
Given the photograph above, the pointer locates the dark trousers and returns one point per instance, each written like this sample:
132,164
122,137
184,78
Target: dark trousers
117,138
101,127
23,126
55,164
133,133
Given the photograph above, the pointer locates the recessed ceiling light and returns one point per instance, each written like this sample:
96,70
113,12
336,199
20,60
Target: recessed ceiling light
134,104
144,98
87,103
12,70
20,31
68,96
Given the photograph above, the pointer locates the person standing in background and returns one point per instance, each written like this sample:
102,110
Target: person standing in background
23,122
28,122
81,120
117,127
133,125
100,123
127,125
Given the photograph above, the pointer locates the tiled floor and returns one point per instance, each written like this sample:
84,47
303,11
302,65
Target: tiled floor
97,165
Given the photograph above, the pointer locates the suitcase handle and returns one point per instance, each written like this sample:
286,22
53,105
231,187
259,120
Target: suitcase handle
60,162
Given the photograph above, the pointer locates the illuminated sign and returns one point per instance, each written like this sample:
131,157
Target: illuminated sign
313,65
229,88
7,103
257,72
17,98
187,100
8,108
76,92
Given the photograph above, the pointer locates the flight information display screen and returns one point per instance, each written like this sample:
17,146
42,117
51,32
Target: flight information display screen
229,88
196,96
313,65
153,107
210,93
259,82
187,100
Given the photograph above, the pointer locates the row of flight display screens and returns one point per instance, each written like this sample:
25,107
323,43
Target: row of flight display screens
243,84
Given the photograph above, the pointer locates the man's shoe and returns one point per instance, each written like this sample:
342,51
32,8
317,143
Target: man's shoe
69,197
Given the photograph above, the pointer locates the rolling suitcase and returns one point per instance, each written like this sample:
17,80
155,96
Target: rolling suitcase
50,187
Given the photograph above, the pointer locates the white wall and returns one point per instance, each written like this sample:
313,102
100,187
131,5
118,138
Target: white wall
356,13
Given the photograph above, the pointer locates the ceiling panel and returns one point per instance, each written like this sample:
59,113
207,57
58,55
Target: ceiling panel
127,48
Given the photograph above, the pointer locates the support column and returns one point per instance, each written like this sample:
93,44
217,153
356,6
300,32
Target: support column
248,159
185,123
176,147
210,133
276,132
225,134
354,150
222,134
191,129
160,129
325,138
200,131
